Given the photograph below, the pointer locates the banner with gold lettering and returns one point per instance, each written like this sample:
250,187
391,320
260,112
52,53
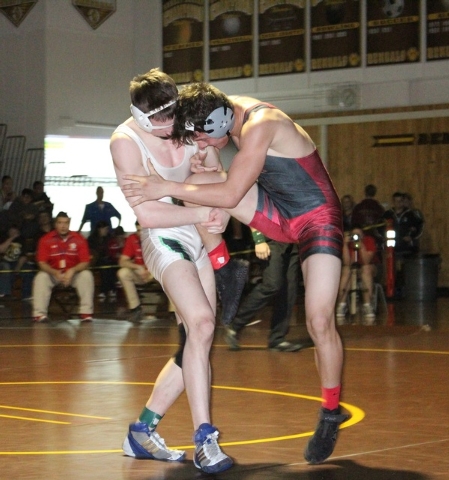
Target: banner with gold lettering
16,10
230,39
392,32
437,30
183,40
281,37
335,34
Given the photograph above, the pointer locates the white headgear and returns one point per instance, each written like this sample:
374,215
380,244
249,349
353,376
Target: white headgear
143,119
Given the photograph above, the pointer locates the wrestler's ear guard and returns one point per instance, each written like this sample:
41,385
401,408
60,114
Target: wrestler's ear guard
219,122
143,119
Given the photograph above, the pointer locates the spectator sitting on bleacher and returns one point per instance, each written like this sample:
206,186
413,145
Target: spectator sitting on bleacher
99,241
41,199
116,244
27,262
10,250
24,213
7,194
133,272
63,258
45,225
15,260
45,221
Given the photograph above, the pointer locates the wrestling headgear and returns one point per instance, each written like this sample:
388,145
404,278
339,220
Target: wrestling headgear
217,125
143,119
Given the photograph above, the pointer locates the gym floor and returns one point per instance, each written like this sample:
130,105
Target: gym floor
68,391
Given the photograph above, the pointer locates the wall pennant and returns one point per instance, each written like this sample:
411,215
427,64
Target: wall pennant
95,12
16,10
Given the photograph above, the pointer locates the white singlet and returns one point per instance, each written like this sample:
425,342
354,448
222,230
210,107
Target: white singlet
163,246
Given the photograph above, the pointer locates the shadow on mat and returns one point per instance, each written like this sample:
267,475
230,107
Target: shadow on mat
332,470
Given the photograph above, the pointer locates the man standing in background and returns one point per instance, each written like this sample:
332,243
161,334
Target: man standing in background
99,210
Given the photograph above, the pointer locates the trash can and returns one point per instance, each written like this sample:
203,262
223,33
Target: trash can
421,277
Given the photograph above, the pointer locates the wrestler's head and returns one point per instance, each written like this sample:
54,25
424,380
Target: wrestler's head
153,101
202,112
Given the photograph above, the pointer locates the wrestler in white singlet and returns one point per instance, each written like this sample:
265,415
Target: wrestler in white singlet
163,246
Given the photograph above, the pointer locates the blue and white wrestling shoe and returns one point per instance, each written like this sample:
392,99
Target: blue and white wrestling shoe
208,455
145,444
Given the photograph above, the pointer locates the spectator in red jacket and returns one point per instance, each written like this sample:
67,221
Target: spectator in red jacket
63,259
133,272
116,244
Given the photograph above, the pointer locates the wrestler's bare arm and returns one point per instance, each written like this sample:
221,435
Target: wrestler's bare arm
269,132
204,162
242,175
207,160
213,159
152,214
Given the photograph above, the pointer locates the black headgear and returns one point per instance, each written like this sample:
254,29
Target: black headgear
217,125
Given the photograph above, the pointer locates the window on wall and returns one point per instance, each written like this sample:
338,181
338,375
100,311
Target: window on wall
74,168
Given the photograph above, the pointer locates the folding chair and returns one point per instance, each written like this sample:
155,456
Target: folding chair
66,298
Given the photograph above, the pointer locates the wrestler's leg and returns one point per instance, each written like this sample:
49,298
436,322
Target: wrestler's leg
168,387
193,295
184,286
321,274
321,279
230,274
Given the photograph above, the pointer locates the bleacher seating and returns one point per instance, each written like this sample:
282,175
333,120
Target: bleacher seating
24,165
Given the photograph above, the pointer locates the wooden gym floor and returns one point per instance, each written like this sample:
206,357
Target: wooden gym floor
69,390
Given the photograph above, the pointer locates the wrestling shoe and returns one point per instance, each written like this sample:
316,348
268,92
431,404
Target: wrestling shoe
230,281
40,319
143,444
208,455
322,443
86,317
231,339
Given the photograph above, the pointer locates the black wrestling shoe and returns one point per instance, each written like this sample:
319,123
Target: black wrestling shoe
322,443
230,281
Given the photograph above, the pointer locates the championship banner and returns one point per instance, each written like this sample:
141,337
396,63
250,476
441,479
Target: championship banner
437,30
183,40
392,32
95,12
16,10
281,37
230,39
335,34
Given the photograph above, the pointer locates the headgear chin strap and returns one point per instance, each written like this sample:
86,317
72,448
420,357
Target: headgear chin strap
217,125
143,119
